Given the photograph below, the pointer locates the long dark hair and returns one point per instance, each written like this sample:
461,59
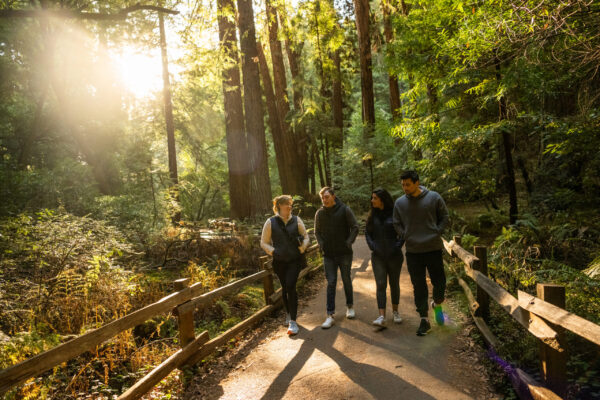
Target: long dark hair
388,206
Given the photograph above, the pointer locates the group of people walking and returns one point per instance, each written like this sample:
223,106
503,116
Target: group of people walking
414,221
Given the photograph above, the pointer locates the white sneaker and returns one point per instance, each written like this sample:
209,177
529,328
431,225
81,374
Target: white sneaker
380,321
397,317
350,313
293,328
328,322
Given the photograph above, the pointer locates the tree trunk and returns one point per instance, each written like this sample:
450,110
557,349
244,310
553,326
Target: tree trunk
173,190
513,211
361,8
392,80
294,51
274,122
237,145
337,103
260,193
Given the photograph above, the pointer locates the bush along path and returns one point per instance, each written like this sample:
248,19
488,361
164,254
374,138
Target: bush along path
352,360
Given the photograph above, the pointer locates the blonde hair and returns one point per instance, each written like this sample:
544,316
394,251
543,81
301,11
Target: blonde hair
279,200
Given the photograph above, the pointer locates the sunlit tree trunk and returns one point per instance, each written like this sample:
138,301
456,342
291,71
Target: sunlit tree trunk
337,103
392,80
293,184
237,146
294,52
274,121
168,108
361,9
260,193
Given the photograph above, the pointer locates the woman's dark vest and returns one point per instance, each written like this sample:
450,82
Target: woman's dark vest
284,239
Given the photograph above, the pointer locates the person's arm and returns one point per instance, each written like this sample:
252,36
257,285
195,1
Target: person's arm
265,238
353,224
318,230
398,224
442,215
302,231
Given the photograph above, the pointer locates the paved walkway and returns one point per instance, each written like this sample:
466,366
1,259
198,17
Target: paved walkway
352,360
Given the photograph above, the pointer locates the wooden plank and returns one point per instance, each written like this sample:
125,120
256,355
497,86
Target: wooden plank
144,385
42,362
561,317
482,297
554,363
207,298
454,249
222,339
536,390
185,318
535,326
488,336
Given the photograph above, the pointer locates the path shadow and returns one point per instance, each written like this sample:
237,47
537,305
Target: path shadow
378,382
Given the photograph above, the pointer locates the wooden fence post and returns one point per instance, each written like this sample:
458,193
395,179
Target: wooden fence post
554,363
458,241
267,280
482,297
185,317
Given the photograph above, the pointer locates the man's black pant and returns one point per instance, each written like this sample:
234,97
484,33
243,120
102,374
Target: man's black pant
418,264
288,276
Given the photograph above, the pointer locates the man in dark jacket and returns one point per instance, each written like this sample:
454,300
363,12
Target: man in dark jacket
420,217
336,229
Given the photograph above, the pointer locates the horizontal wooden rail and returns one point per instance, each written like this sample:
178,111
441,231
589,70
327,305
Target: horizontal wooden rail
226,336
525,385
24,370
580,326
509,303
209,297
142,386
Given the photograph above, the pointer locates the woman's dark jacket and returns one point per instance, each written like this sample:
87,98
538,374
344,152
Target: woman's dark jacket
382,237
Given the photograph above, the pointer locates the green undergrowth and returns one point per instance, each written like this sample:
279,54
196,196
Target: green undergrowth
64,275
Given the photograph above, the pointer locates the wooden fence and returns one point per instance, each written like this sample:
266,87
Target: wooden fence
183,303
543,316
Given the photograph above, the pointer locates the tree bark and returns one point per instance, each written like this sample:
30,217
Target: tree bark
392,80
361,8
168,108
294,52
237,145
260,193
274,121
289,141
337,104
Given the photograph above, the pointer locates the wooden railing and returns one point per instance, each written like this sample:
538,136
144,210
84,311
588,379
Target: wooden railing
183,303
543,316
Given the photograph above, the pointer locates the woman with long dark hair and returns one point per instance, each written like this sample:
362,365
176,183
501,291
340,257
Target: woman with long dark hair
386,252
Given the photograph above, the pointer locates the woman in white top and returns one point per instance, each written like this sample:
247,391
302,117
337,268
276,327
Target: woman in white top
285,238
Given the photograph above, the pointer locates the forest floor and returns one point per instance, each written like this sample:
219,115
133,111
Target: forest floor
352,360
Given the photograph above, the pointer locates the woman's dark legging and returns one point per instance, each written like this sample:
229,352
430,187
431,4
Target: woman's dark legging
288,276
384,268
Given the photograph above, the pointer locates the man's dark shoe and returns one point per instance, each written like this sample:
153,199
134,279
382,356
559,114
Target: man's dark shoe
424,327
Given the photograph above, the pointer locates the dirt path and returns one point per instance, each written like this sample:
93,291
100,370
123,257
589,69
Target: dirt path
354,361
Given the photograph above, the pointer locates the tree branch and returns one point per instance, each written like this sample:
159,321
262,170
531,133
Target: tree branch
64,13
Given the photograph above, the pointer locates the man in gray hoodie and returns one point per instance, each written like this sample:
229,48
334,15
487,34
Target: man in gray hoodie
420,217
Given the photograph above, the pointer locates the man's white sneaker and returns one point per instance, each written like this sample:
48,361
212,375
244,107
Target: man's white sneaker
292,328
350,313
397,317
328,322
380,321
